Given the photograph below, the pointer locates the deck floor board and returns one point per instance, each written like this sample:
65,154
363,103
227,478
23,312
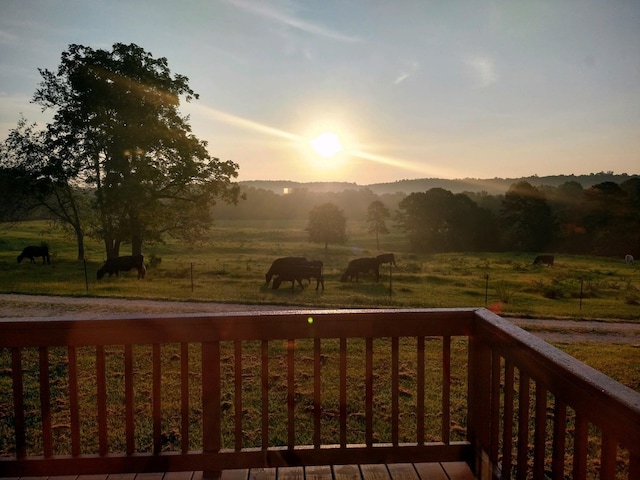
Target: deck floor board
403,471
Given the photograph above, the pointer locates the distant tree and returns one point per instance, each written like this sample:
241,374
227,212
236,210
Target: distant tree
327,224
440,221
609,219
116,115
526,219
376,215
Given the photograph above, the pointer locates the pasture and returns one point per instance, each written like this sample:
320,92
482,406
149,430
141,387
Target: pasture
230,267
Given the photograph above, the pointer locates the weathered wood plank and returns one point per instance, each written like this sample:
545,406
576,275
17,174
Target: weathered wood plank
239,474
458,471
291,473
431,471
346,472
263,474
318,472
375,472
403,471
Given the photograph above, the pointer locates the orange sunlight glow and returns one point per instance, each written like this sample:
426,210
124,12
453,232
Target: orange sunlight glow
326,151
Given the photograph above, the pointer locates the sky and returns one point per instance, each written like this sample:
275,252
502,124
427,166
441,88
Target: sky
385,90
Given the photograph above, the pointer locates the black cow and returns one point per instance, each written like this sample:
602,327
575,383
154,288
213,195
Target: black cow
33,251
297,271
280,264
544,260
361,265
386,258
123,264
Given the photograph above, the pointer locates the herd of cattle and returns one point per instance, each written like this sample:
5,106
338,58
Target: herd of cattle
296,269
286,269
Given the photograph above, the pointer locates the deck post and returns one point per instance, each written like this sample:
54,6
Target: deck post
479,406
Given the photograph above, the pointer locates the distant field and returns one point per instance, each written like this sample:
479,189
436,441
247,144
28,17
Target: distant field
230,267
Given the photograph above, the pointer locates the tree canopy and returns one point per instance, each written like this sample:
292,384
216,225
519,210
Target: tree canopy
116,119
327,224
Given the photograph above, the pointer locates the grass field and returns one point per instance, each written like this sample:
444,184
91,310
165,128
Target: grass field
230,267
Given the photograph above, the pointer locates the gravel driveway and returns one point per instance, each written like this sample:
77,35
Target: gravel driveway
24,306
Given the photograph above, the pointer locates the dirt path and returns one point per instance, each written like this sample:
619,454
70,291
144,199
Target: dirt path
26,306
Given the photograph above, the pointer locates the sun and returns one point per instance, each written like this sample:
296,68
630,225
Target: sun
327,145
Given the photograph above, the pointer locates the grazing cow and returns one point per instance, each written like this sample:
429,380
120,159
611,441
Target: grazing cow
295,272
386,258
628,259
35,251
282,263
361,265
544,260
124,264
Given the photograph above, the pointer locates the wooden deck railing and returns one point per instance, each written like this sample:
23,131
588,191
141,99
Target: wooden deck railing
217,392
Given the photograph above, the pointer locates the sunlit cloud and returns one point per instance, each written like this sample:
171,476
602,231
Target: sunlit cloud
406,73
265,10
484,70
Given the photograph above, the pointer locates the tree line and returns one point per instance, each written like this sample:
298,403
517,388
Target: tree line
603,219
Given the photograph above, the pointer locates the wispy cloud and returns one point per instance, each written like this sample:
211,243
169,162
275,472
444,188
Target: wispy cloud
484,70
265,10
406,72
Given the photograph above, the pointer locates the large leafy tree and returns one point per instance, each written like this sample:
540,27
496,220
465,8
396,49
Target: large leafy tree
376,215
327,224
116,114
41,176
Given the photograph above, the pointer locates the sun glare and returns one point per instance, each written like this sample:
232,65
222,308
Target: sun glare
326,144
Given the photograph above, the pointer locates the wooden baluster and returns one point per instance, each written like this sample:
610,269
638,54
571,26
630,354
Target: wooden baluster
540,434
265,394
129,399
211,431
317,393
420,385
184,396
608,454
446,390
369,391
580,447
74,409
559,439
291,406
523,425
495,408
156,393
343,392
102,400
18,402
45,402
238,394
395,389
507,427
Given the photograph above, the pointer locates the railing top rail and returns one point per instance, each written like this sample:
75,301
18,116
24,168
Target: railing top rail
265,325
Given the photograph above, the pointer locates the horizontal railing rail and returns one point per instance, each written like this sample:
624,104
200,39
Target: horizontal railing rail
216,392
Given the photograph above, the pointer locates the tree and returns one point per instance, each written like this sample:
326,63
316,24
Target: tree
525,218
42,176
376,214
327,224
116,115
440,221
